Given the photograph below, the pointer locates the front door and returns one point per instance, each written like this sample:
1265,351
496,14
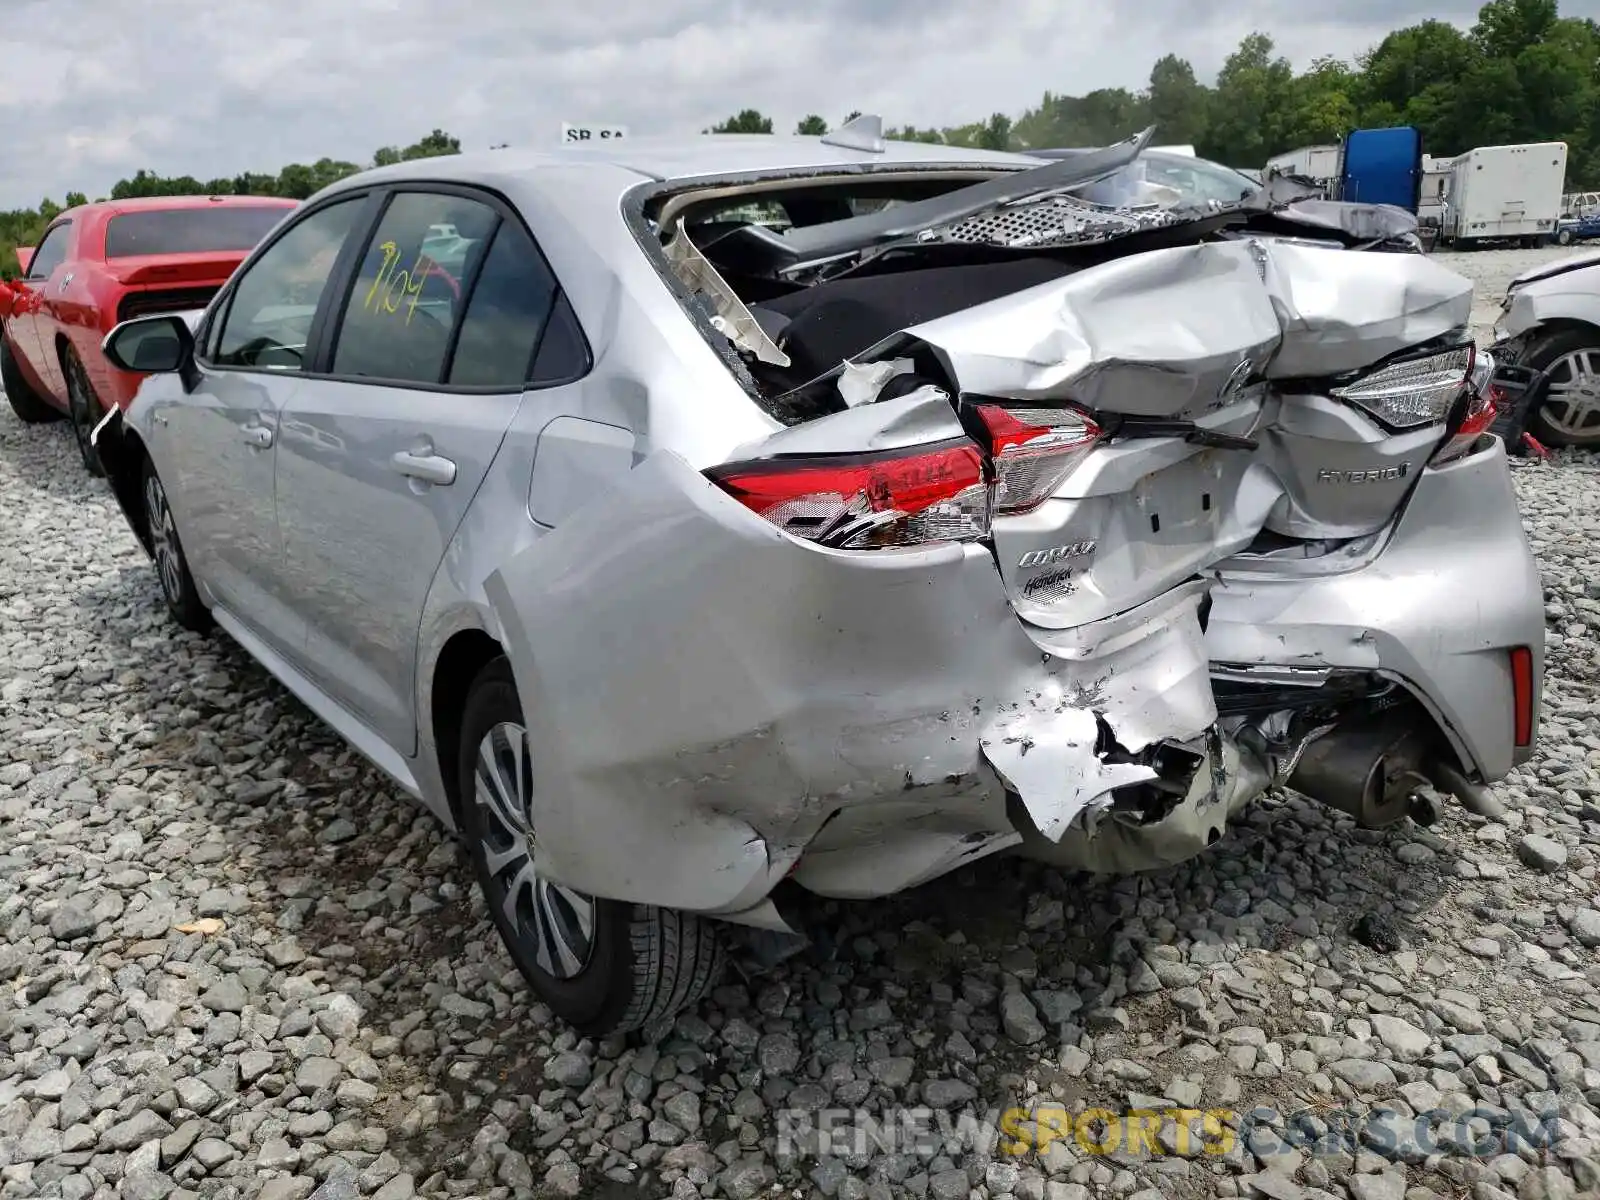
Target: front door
26,328
379,460
222,439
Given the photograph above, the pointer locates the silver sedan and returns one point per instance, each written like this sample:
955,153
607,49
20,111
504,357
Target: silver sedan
686,521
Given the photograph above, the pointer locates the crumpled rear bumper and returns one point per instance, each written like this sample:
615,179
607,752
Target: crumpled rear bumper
1437,603
706,698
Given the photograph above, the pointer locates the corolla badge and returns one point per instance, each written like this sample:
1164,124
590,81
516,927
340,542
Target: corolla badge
1055,554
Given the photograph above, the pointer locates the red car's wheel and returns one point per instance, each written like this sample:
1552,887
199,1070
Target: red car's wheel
25,402
83,410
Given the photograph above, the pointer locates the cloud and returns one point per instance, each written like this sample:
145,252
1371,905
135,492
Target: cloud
212,89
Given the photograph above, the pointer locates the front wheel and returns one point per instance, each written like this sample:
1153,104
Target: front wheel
603,966
29,406
172,565
83,409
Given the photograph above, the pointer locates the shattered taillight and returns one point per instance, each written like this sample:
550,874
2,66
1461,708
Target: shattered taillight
908,497
1478,406
1033,450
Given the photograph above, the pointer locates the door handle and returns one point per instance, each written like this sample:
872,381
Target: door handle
258,436
428,468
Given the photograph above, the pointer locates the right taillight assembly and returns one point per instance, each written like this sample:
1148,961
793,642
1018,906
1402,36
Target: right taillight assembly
1033,450
1412,392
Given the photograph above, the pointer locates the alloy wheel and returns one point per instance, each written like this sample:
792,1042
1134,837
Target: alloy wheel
1572,401
163,540
555,922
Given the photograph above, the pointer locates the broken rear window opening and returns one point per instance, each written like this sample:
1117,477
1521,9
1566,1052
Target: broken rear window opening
190,230
795,277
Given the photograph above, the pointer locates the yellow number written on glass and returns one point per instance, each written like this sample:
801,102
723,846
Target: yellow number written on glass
390,288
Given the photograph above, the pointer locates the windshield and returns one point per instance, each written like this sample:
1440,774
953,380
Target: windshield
233,228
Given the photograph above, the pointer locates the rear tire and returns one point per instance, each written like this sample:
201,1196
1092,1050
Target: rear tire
83,410
30,407
172,565
602,966
1569,413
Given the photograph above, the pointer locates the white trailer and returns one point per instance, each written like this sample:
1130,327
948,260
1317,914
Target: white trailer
1320,164
1435,182
1505,193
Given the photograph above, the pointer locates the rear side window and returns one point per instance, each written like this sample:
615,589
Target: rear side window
223,228
508,310
408,292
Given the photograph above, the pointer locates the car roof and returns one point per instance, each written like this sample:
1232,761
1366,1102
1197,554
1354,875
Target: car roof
689,158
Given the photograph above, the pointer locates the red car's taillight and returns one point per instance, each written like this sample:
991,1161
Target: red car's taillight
1033,450
908,497
1522,696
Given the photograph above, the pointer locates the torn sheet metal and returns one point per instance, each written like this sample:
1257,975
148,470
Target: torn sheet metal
1046,755
862,383
1341,311
1146,668
1166,333
731,318
1143,672
1157,334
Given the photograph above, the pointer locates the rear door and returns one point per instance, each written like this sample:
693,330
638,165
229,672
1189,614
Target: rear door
380,457
26,328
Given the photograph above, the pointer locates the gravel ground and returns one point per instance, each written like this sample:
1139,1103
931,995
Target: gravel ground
235,962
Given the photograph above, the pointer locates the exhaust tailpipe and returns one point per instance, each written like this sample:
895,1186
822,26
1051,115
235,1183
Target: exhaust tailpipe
1370,770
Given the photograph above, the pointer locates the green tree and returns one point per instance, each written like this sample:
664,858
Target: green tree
435,144
1321,105
1177,103
1247,112
995,133
910,133
811,126
747,121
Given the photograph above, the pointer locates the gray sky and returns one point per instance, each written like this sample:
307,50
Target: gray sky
95,89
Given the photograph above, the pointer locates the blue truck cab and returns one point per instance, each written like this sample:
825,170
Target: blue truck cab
1382,166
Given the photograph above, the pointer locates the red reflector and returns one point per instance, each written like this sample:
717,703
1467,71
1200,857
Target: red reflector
867,501
1522,695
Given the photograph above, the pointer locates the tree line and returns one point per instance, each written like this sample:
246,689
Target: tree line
1522,73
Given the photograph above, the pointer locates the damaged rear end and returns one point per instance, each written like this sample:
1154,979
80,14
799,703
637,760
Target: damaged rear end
1082,568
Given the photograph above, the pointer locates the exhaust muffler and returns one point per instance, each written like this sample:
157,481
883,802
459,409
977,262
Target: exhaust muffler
1370,769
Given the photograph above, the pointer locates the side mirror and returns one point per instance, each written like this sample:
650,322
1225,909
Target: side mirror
150,345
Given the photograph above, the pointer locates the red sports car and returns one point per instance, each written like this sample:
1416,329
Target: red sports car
99,264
